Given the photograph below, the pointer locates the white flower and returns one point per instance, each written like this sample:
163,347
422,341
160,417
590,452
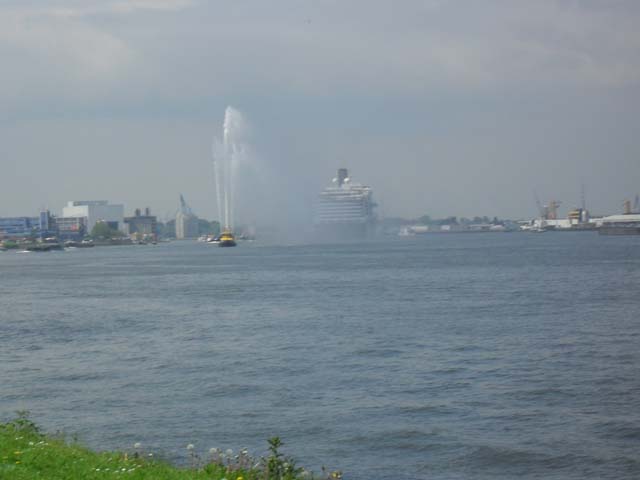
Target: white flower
137,445
229,452
213,451
190,446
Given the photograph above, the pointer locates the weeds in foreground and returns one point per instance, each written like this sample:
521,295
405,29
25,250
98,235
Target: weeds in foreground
26,453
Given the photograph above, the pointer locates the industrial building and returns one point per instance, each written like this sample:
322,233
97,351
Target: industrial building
143,226
18,227
96,211
71,228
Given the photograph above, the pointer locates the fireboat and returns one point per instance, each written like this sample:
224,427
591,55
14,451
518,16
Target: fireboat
227,239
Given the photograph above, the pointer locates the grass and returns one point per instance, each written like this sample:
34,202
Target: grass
26,454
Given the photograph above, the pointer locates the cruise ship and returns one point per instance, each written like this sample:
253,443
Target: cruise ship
344,210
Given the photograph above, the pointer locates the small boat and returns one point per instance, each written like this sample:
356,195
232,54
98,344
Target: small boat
227,239
75,244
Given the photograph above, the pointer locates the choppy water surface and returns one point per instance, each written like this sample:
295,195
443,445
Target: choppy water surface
455,356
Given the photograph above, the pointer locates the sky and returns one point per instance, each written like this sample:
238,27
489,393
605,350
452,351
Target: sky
443,107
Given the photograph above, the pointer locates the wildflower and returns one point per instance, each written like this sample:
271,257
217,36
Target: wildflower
151,455
229,452
240,478
137,445
190,446
213,451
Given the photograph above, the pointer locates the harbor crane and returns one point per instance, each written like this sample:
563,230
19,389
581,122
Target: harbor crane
184,208
627,209
547,212
552,209
541,210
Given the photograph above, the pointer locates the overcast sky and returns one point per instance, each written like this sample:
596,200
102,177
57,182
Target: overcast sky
443,107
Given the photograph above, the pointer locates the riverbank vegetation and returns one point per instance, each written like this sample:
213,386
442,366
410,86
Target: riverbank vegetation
26,453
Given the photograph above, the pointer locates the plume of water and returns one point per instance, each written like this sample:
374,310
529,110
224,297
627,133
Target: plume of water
227,155
218,157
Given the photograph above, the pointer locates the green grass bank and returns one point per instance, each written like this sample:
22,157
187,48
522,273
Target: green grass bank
26,454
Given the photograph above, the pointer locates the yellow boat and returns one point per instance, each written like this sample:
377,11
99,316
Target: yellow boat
227,239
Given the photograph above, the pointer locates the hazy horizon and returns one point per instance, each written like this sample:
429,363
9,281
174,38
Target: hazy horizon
443,108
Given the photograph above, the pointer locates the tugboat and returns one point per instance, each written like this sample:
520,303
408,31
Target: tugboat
227,239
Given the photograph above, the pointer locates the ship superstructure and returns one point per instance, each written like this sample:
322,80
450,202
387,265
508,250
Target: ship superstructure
345,209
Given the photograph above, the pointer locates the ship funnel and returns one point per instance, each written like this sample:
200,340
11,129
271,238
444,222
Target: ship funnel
343,174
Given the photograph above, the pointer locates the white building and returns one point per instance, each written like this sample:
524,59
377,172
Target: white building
626,218
186,225
95,211
557,223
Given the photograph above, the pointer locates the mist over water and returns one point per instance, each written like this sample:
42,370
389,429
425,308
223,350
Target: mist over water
254,190
462,356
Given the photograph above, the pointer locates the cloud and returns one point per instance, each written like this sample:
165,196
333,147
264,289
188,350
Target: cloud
133,52
129,6
59,42
56,50
378,49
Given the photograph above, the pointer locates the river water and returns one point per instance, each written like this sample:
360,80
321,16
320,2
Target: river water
475,356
